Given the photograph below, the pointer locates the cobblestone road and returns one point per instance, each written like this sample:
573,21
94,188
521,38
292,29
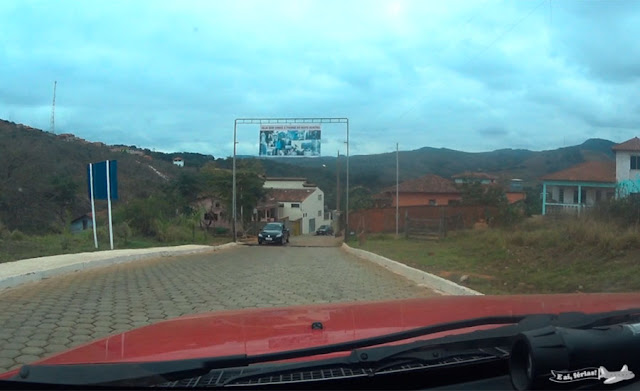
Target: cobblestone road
37,319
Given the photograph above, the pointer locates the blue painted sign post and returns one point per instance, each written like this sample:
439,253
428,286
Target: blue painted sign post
103,185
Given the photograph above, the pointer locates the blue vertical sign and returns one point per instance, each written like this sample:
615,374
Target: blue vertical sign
103,185
100,180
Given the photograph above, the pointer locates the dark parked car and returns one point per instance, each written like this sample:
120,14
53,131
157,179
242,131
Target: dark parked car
324,230
274,233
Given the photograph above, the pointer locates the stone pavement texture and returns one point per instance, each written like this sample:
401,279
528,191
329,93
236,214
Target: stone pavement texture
58,313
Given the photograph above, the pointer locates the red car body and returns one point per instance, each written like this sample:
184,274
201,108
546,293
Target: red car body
257,331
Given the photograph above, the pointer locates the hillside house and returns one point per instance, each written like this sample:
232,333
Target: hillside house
585,184
427,190
214,215
81,223
295,200
434,190
469,177
178,161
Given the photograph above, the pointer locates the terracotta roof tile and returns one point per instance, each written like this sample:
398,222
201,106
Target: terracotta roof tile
629,145
427,184
586,172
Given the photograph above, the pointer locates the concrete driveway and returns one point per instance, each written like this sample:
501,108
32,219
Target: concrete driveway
40,318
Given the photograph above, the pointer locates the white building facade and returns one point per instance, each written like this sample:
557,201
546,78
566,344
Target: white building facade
298,201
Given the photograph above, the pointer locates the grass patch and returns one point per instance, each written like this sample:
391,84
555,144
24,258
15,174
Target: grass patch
23,246
536,256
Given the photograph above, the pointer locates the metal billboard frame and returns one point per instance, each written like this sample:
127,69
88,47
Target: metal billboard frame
301,120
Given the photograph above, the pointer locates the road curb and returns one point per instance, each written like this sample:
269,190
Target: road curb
438,284
35,269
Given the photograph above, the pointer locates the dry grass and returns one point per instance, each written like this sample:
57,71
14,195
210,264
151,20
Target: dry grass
536,256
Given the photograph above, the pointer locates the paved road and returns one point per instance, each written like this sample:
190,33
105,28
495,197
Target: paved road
37,319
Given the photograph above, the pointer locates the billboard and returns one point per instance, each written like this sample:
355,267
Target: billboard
302,140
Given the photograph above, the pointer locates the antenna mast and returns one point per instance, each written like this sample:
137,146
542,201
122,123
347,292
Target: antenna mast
53,109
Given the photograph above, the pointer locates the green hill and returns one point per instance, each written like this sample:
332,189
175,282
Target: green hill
43,176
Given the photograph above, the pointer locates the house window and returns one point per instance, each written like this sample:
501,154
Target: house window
319,213
598,195
432,202
583,196
280,205
561,196
217,204
319,197
295,205
635,162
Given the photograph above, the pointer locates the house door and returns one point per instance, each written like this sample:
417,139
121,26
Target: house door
312,225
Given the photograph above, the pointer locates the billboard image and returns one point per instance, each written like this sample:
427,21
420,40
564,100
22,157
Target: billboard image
290,140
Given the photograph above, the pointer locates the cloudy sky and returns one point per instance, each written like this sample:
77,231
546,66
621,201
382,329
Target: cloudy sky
468,75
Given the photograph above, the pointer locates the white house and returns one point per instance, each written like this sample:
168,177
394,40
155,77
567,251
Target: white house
295,199
178,161
585,184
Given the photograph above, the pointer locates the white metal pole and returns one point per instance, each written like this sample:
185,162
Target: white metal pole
397,188
93,206
347,206
233,196
109,205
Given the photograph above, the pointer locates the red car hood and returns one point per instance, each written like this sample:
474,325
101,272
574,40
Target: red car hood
258,331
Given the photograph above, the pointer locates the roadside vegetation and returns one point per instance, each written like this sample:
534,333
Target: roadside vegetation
15,245
170,216
595,252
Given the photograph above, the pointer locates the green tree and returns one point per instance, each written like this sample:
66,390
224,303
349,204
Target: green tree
249,187
475,193
64,195
533,200
360,198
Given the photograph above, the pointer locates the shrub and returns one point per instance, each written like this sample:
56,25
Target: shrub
17,235
65,242
4,231
123,231
169,233
222,231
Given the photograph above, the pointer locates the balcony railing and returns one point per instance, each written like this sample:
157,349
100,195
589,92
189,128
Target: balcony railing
557,208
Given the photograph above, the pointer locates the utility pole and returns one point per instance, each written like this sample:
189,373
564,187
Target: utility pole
52,125
338,191
397,188
338,182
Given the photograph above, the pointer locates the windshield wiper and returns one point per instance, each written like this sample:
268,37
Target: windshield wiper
149,373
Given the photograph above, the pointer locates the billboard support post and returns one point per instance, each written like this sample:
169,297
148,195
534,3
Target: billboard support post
259,121
233,202
397,187
347,199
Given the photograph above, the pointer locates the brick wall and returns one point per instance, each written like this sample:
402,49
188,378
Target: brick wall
384,219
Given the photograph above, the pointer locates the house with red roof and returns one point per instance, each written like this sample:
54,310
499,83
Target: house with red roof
434,190
585,184
429,189
294,200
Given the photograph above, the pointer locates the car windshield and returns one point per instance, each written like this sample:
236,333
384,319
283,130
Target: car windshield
269,164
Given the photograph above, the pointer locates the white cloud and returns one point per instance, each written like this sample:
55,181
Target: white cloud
469,75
